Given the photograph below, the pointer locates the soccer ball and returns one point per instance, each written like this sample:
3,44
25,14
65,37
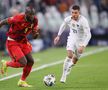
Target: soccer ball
49,80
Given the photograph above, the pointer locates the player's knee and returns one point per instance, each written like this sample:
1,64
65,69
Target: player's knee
31,62
23,61
80,51
69,56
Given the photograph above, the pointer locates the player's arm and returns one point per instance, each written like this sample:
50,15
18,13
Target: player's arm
35,33
3,22
62,28
87,33
9,20
87,36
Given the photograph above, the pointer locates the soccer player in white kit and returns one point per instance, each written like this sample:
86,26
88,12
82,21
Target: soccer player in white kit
78,39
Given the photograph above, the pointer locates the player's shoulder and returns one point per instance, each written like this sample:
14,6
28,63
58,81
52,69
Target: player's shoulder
83,18
67,19
84,21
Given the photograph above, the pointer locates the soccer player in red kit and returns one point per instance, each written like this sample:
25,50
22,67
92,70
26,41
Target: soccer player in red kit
17,43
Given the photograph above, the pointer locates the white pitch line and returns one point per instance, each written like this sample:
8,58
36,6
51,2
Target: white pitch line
55,63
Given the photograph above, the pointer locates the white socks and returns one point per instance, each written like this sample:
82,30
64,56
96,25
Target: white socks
67,65
66,68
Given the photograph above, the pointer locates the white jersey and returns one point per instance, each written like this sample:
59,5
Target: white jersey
79,30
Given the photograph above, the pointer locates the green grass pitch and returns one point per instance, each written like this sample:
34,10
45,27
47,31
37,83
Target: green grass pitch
90,73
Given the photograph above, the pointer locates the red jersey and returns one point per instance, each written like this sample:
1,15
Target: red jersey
20,28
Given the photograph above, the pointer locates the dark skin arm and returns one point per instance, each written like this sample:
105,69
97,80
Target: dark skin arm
3,22
35,34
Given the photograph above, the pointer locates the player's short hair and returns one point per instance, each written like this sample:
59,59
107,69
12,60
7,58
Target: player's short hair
30,10
76,7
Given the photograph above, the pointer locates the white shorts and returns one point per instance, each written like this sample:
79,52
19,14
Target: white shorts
73,45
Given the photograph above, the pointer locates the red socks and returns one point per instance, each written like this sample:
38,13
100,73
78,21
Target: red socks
26,71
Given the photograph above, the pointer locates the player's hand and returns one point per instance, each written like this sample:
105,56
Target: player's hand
81,49
35,33
56,40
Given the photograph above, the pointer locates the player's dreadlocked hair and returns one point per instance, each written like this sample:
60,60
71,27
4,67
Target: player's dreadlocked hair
30,10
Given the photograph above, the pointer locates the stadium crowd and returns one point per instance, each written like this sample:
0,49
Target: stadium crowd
51,13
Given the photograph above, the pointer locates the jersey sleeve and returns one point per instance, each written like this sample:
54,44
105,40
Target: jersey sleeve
63,26
87,33
12,20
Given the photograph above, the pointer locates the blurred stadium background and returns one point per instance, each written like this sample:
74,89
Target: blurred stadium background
90,73
51,13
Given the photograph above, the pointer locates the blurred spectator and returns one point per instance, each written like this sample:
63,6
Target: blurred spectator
104,5
94,16
63,7
42,7
51,14
42,21
70,2
50,2
13,11
37,45
104,19
84,11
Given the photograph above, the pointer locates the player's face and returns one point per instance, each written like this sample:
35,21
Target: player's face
75,14
29,17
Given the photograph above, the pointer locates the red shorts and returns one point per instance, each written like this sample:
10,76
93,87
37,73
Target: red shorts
18,50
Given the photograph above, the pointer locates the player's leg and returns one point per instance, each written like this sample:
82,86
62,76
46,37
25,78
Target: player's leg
28,67
17,64
26,48
68,63
74,57
12,63
17,56
77,54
